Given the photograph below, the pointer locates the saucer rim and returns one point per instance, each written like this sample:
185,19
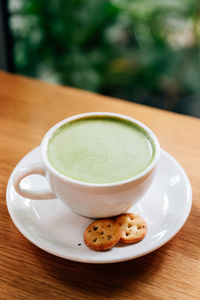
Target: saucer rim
28,236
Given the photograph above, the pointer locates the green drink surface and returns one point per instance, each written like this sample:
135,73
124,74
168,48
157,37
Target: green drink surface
100,150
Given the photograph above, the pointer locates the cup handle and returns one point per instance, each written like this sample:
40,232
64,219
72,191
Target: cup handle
36,168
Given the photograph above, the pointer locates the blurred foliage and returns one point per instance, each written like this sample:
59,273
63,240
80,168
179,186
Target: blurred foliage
146,51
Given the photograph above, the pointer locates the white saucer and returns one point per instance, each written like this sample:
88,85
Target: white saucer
50,225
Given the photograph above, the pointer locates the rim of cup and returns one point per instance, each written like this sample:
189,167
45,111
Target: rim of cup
51,131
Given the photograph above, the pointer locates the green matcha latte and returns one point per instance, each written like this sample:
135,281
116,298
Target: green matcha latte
100,149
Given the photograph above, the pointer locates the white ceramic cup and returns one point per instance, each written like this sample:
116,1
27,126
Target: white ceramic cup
88,199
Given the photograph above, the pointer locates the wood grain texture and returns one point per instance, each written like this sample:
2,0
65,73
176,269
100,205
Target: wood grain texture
28,109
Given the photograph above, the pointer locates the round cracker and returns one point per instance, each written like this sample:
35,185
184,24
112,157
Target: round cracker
102,234
133,228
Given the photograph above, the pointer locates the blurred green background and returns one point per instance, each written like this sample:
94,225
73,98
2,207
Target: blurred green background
146,51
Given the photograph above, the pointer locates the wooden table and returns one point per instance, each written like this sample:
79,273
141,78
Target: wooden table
28,109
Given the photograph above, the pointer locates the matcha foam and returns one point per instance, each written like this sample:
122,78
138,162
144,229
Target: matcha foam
100,150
